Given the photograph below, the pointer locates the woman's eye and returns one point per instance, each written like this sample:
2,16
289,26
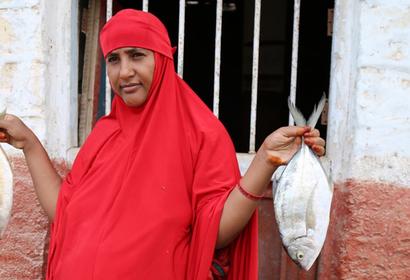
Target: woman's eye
112,59
137,55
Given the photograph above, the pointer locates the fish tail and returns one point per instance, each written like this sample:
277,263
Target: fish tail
296,114
314,117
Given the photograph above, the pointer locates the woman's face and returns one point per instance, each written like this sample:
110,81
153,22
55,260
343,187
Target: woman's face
130,71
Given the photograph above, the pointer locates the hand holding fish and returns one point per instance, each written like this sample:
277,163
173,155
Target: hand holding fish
46,180
277,149
14,132
303,194
282,144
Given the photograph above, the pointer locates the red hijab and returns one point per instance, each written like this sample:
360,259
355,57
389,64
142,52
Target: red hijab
146,192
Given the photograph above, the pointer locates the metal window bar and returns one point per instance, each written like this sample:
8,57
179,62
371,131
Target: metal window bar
218,35
217,64
145,5
295,48
255,68
107,83
181,38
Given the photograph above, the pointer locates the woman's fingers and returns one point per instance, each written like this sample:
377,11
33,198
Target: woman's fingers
315,141
319,150
312,133
295,131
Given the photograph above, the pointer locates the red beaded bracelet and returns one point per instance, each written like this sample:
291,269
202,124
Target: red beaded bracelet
248,194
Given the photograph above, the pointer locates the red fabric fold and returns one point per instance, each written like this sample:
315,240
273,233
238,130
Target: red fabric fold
146,192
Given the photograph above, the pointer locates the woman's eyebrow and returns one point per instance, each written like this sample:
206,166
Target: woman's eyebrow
112,55
133,50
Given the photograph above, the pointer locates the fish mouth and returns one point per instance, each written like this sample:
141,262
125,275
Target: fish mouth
308,265
300,258
303,252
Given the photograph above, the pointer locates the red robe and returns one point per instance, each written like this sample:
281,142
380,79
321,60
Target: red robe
146,192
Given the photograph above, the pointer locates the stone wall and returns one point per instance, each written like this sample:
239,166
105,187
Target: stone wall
38,79
24,245
368,147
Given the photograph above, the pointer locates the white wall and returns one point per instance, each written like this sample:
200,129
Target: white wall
60,46
369,115
38,72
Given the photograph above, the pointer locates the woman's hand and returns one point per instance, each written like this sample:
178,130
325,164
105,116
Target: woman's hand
45,178
315,142
14,132
278,148
282,144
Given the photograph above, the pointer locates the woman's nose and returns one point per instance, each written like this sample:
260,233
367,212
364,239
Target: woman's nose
126,69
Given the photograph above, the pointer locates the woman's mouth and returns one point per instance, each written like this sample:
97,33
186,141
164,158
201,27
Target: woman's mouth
130,88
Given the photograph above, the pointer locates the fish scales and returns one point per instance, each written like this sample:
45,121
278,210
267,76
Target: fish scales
303,200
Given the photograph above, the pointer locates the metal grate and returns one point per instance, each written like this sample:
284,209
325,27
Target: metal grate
217,58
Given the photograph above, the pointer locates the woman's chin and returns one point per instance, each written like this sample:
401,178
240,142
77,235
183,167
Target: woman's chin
133,102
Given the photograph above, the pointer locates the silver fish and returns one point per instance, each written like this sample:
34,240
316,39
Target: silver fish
6,186
303,198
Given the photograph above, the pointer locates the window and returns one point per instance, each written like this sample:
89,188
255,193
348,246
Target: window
255,64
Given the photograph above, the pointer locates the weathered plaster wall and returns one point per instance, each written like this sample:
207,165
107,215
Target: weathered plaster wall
370,91
38,51
38,79
369,237
22,63
24,245
368,146
60,47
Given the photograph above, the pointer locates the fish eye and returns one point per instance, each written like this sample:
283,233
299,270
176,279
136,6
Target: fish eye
299,255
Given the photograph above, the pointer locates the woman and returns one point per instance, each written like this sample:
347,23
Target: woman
155,191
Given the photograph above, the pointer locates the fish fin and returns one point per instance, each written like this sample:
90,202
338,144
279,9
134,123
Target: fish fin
310,213
296,114
276,177
314,117
279,172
